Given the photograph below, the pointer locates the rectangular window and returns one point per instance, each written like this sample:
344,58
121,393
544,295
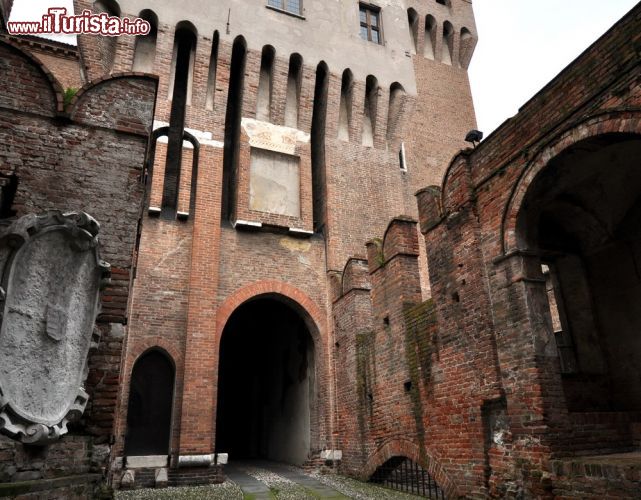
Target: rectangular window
401,158
293,6
564,342
370,19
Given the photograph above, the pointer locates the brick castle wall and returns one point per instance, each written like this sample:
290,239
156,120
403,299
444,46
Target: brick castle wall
87,156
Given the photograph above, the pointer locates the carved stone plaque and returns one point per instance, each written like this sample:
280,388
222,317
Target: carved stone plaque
51,275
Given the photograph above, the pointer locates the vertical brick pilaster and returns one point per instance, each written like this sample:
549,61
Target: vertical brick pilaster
197,433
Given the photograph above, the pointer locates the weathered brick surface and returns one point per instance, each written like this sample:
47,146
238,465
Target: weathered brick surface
88,157
389,398
476,353
192,274
396,374
176,283
484,290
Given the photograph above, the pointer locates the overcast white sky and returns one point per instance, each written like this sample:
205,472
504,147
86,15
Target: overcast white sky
32,10
522,45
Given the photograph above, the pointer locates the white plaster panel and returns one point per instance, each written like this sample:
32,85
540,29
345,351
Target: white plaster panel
274,185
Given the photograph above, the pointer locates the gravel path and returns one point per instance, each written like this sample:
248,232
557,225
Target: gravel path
313,486
224,491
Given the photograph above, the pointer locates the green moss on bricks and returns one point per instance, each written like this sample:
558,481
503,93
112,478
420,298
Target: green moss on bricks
420,320
365,370
69,94
380,257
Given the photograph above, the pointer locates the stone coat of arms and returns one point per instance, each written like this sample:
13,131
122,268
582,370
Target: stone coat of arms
51,275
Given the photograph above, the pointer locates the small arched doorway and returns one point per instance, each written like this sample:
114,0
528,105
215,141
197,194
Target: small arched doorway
582,216
150,403
266,383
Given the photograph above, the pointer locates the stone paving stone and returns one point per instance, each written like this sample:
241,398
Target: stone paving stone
252,487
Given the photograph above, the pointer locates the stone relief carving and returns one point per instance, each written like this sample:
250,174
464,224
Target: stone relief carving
272,137
51,276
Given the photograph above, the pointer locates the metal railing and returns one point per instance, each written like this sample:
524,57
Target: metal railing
402,474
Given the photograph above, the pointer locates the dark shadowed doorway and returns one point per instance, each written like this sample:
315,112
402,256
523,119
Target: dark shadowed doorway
582,216
150,402
266,383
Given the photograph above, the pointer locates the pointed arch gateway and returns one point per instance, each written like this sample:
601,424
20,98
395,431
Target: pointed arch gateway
267,379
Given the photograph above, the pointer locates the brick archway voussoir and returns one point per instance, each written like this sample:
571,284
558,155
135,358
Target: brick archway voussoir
267,287
608,122
404,448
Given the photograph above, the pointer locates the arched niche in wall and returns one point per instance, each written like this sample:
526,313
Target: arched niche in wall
107,44
233,116
319,123
370,110
466,47
265,84
396,101
211,75
180,92
182,61
429,47
145,51
345,110
412,21
292,98
447,49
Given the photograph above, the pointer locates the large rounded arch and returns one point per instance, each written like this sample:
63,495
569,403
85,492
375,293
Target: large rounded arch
49,98
606,123
574,213
297,298
270,356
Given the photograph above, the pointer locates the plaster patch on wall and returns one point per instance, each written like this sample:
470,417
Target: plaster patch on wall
272,137
274,185
295,245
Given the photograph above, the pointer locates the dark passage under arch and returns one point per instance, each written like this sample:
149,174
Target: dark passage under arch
582,217
266,384
150,402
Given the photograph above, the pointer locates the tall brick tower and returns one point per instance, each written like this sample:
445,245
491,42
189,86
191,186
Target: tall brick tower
287,134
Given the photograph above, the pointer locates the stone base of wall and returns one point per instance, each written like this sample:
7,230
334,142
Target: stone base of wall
69,468
150,477
79,487
196,475
605,476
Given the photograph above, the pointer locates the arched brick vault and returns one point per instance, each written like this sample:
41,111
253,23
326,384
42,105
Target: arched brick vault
275,288
55,87
70,108
404,448
612,121
315,320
